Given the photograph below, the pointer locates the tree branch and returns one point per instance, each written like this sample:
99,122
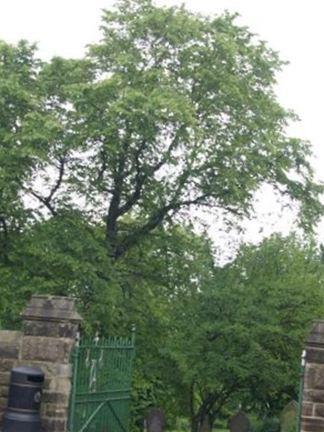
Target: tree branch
140,178
47,201
5,240
43,200
143,173
4,226
58,181
103,166
114,206
192,397
154,221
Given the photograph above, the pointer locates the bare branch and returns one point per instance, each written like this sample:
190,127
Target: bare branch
43,200
169,150
4,225
113,211
103,166
47,201
140,178
59,180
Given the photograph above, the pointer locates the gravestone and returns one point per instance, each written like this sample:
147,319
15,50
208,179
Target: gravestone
239,423
288,417
155,420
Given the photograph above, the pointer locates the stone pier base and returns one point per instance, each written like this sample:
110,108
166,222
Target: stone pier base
48,336
312,419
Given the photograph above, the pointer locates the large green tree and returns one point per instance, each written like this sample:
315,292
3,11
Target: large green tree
170,111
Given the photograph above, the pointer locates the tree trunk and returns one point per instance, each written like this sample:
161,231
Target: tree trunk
194,425
205,425
202,423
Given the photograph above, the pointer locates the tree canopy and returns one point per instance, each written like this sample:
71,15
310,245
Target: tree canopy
169,111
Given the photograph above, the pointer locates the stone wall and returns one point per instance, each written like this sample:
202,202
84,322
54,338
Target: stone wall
49,332
312,419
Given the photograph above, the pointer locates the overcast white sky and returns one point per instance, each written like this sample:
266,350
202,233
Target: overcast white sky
292,27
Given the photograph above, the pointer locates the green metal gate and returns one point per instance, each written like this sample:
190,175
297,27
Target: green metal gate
101,385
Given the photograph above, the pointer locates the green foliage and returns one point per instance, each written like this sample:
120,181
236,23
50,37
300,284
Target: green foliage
170,110
102,160
253,316
269,424
190,118
18,99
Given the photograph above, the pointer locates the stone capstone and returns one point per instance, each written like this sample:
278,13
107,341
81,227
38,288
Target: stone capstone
51,308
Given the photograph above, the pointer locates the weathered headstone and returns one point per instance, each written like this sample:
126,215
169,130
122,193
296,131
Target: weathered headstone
155,420
288,417
239,423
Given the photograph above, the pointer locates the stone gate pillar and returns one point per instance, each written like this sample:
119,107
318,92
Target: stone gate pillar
312,419
49,334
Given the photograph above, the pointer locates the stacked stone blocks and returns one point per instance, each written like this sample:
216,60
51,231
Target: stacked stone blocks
312,419
48,336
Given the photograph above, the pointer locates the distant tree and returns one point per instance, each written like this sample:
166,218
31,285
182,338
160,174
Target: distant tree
239,341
